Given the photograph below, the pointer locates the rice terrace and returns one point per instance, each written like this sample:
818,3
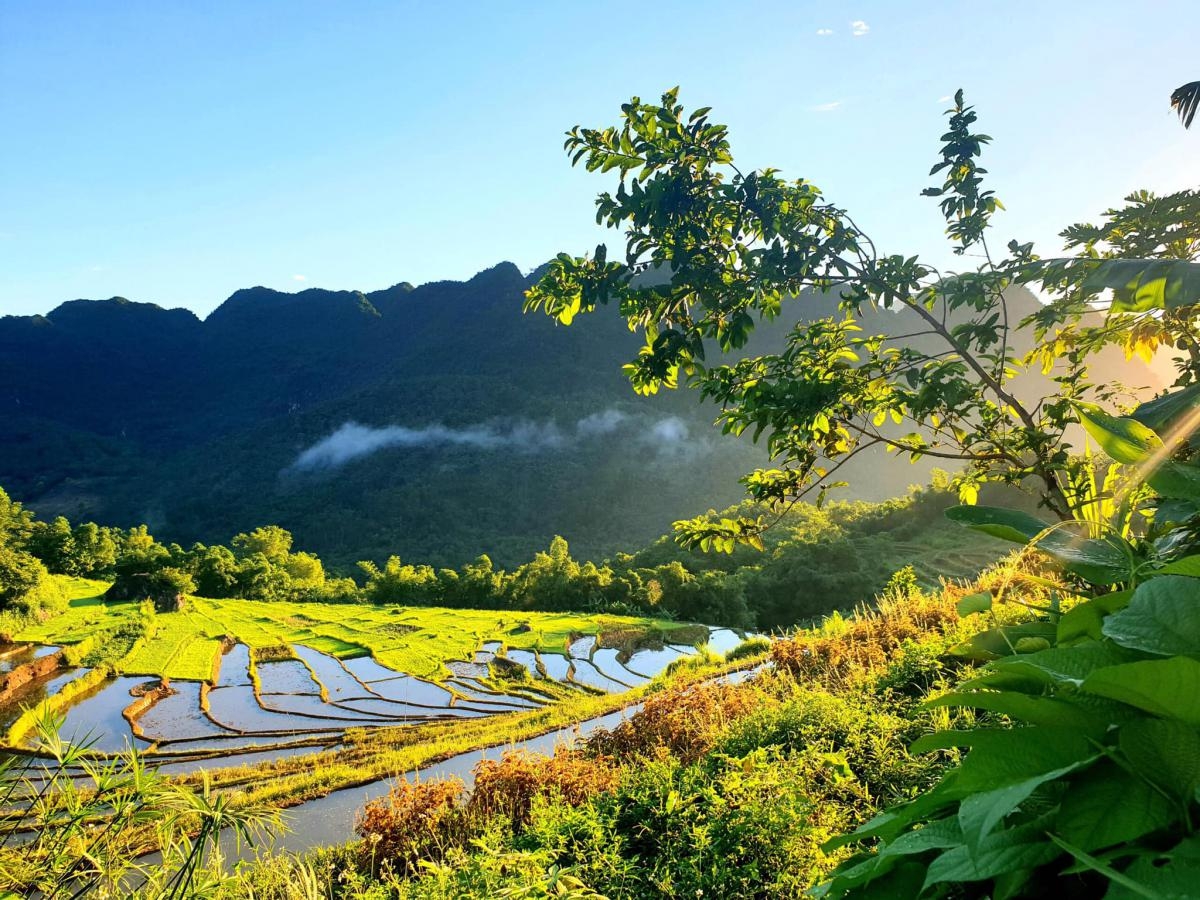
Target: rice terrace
239,675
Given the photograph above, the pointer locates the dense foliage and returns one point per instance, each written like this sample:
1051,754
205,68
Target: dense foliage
818,559
735,248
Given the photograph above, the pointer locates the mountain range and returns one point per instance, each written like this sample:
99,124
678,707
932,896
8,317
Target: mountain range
436,422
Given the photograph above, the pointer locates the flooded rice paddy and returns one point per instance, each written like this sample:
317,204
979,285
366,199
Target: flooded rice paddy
259,710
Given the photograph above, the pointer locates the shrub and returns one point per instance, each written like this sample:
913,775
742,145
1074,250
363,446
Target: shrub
508,787
743,828
864,644
414,823
687,721
754,646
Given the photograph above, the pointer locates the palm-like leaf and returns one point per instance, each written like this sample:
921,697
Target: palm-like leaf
1186,100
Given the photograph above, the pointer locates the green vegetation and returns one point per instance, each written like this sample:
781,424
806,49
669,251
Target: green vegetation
1033,733
745,248
845,551
411,640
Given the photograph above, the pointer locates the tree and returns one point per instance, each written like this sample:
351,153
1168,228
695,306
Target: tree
711,251
95,550
271,541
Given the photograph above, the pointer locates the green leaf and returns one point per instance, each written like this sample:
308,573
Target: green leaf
1189,566
1034,710
1002,851
1007,524
1164,687
1172,874
1164,751
975,603
1107,805
1163,412
1137,284
980,813
1000,757
1104,561
1004,640
1162,618
1087,619
1125,440
1059,665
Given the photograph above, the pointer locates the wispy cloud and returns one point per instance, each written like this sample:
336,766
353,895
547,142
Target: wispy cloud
945,99
665,437
299,278
826,107
858,28
824,32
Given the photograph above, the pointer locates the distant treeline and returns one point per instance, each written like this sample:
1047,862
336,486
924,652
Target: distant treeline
815,560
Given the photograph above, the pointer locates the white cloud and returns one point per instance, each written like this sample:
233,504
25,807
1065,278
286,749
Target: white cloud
299,278
826,107
945,99
824,32
858,28
666,436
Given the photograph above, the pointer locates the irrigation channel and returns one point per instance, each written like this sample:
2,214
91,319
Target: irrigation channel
256,712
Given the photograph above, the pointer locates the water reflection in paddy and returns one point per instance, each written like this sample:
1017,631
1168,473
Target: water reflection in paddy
34,693
586,673
338,682
556,666
179,716
286,676
407,689
236,708
722,640
365,668
607,662
235,667
96,718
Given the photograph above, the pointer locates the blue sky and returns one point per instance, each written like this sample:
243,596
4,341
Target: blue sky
174,152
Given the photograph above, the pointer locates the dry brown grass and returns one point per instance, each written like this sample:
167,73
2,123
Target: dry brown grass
508,787
685,720
416,821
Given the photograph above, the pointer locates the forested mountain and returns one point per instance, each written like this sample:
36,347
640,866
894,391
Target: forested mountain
436,422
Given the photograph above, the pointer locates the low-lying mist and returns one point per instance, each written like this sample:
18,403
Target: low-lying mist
665,436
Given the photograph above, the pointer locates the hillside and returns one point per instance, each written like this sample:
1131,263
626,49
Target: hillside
395,421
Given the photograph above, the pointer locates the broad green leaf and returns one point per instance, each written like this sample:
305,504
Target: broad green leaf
1001,851
975,603
1087,619
1033,710
1129,441
979,813
1138,285
1176,480
1163,412
856,871
1007,524
1000,757
1174,873
1125,440
1162,618
890,823
1107,805
1169,511
1189,566
1102,561
1164,751
1071,665
1003,640
1164,687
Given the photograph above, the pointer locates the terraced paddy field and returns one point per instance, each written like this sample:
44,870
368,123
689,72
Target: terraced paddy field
231,678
